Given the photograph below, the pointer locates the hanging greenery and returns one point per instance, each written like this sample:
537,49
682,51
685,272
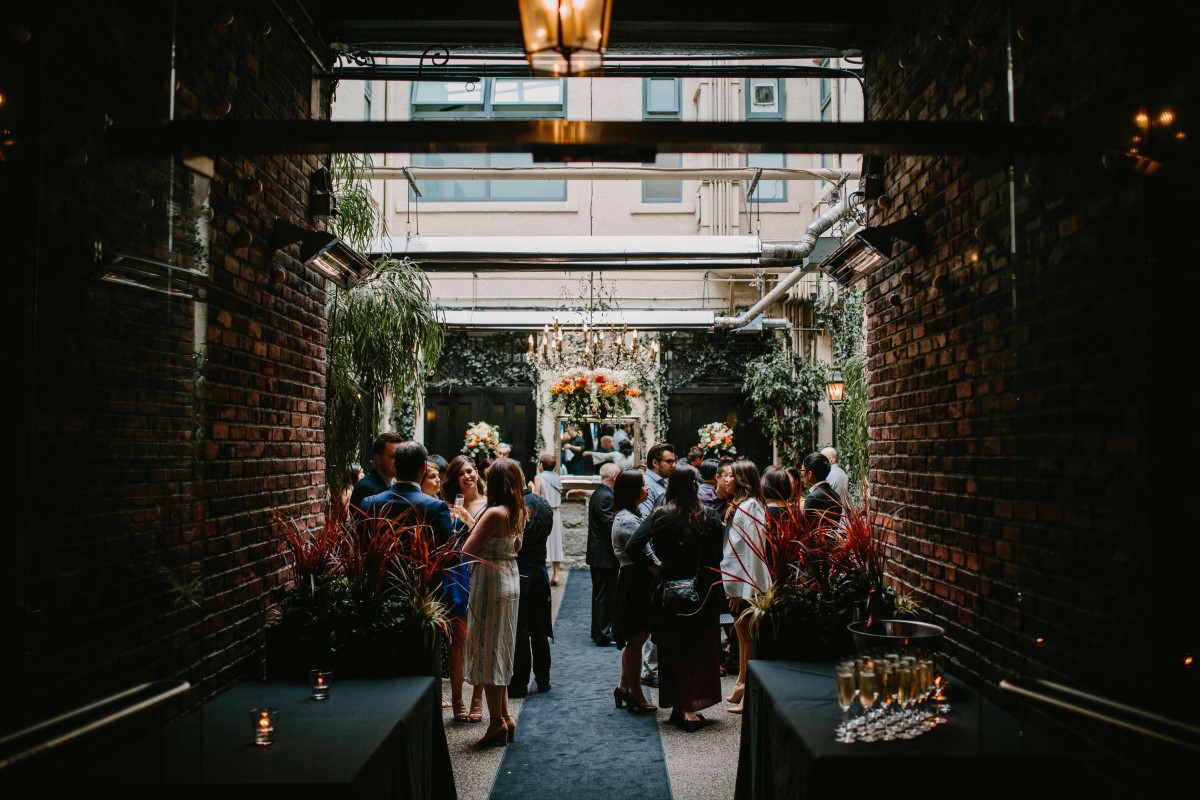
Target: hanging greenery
383,334
852,424
715,359
783,391
494,360
841,315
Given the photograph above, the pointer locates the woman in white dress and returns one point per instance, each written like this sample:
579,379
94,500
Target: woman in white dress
462,479
548,486
495,595
746,573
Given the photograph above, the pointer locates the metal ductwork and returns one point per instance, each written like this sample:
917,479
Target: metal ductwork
789,254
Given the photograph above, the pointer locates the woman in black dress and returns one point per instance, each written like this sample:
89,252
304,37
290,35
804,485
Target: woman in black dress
631,622
685,539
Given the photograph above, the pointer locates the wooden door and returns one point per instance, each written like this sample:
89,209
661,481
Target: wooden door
448,414
692,409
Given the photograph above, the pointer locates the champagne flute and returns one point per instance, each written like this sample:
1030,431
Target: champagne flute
905,693
868,690
885,675
844,682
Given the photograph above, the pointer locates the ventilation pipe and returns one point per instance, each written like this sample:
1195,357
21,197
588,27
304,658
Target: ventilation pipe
784,254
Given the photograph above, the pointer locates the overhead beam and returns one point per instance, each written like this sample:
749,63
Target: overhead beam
573,140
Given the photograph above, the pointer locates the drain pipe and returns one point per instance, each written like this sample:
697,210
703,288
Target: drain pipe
787,253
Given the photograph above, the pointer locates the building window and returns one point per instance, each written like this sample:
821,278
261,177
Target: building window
764,99
768,191
492,98
443,191
664,191
661,98
826,112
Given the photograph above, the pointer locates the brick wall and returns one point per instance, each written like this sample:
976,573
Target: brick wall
1016,458
152,471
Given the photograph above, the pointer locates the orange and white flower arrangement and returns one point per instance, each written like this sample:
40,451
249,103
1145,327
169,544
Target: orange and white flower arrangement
717,437
481,440
593,393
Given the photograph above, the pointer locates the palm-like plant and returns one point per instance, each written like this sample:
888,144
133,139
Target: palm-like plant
384,333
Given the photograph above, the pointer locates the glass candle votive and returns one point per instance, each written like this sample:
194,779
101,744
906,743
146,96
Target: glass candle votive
263,721
321,681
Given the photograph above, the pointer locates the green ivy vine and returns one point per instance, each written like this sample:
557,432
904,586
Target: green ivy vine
494,360
841,315
714,359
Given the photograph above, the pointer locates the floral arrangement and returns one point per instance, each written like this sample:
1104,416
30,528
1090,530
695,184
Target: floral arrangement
593,393
364,595
717,437
481,440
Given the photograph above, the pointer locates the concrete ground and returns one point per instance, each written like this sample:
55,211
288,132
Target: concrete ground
701,765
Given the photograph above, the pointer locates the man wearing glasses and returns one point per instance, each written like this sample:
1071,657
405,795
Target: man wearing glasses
661,460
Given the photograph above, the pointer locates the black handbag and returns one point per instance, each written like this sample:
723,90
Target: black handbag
679,596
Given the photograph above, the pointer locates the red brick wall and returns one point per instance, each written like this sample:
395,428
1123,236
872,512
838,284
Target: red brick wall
139,476
1017,460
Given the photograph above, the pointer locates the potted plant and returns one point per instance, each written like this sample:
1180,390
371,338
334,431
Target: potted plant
823,570
364,598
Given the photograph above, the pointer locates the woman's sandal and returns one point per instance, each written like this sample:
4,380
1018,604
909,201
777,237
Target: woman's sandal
460,711
476,714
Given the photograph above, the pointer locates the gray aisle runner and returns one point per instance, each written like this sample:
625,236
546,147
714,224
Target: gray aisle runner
572,742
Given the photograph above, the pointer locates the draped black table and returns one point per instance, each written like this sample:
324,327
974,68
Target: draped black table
377,739
788,748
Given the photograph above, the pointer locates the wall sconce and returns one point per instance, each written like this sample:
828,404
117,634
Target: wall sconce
868,248
565,37
148,273
332,257
322,203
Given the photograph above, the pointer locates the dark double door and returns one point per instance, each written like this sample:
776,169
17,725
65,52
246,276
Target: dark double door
692,409
448,414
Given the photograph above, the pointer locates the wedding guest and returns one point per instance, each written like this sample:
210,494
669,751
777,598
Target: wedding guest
548,486
462,479
496,594
742,559
382,472
777,492
622,456
661,460
534,628
694,456
503,450
454,592
837,478
820,497
709,468
354,474
797,484
572,450
600,558
631,621
685,539
405,500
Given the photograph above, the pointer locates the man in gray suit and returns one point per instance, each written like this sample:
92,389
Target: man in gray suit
838,479
600,556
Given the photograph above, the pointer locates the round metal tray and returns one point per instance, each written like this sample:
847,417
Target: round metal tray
896,633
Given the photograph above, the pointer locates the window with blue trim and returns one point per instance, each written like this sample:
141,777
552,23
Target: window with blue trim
768,191
661,99
764,99
491,98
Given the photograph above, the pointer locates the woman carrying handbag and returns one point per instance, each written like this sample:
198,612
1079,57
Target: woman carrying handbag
685,543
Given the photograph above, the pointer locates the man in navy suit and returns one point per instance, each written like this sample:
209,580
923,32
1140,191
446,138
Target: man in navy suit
383,471
405,498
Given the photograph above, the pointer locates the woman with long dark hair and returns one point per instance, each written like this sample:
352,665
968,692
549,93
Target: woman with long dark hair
742,562
461,479
496,594
631,621
685,542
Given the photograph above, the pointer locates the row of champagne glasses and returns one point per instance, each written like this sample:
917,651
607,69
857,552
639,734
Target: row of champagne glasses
896,693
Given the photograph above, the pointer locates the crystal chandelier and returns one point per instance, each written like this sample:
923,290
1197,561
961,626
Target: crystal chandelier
558,349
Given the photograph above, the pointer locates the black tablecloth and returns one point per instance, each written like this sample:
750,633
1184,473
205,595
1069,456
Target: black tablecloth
788,748
370,740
